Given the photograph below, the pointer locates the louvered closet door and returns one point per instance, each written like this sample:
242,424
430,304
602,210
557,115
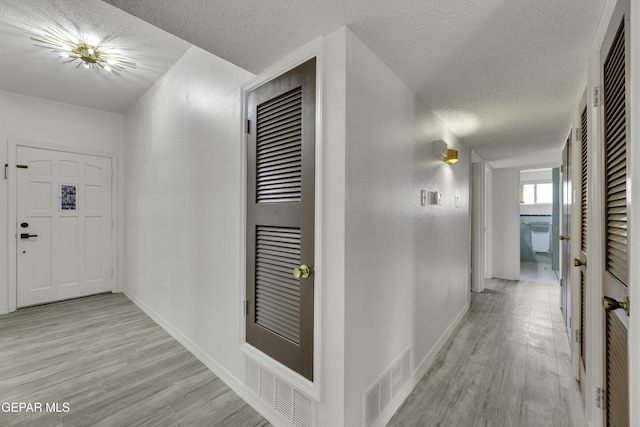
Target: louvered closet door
584,137
615,69
280,217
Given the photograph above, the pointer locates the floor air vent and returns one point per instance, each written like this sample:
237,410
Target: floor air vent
279,394
386,388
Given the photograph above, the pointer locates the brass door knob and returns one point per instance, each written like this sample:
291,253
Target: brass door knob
301,272
564,237
578,262
609,304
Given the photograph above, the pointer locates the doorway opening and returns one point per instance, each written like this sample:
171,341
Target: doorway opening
539,201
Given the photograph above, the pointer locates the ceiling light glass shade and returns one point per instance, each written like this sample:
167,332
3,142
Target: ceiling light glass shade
91,55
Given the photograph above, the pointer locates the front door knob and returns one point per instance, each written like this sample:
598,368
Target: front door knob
578,262
301,272
610,304
564,237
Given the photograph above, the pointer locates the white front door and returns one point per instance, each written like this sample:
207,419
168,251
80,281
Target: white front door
63,225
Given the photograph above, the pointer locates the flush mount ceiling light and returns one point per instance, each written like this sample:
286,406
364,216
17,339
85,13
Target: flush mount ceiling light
89,54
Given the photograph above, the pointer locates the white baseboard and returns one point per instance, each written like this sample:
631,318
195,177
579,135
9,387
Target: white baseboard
4,309
395,404
231,381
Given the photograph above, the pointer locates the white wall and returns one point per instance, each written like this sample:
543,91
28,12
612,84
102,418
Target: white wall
332,404
182,204
40,121
407,266
506,224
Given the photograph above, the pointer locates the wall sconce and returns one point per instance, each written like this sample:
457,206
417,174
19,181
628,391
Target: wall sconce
440,149
452,156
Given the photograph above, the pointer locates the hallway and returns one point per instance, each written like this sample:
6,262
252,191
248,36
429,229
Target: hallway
507,364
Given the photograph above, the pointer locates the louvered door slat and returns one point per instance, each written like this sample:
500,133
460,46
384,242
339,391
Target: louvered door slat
583,225
583,323
279,153
279,312
617,373
615,158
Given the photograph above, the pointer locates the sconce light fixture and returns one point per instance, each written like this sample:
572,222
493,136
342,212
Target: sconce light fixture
440,149
452,156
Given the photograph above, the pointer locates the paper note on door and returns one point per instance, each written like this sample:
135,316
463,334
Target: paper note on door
68,197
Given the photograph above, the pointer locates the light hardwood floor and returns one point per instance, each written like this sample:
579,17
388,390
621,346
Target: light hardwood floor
507,364
113,366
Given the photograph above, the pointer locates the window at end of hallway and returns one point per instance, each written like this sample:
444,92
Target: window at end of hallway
531,194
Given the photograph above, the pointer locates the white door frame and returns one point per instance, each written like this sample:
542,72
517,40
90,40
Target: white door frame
12,243
478,200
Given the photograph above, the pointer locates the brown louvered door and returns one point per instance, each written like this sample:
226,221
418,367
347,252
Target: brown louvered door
280,217
584,137
615,70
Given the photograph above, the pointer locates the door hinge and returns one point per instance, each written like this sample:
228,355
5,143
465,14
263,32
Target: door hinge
599,397
6,168
577,335
578,134
112,272
597,96
111,173
245,307
248,126
111,223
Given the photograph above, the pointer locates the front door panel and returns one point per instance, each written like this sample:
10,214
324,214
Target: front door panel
63,225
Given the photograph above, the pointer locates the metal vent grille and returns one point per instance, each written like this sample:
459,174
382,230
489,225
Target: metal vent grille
284,398
385,390
278,394
279,149
302,410
379,396
372,404
277,291
615,123
252,376
267,386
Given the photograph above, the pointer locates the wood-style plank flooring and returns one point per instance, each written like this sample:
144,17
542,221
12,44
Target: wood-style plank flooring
507,364
113,365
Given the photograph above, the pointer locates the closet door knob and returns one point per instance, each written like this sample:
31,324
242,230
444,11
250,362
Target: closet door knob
301,272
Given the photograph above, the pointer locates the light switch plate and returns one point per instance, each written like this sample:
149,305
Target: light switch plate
437,198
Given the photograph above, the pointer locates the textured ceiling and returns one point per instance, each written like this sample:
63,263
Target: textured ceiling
32,70
499,72
503,74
